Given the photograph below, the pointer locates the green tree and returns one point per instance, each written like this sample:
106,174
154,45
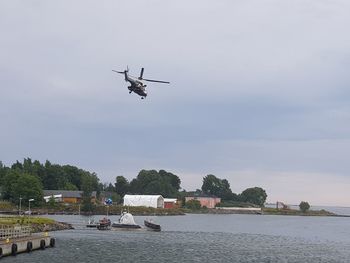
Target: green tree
153,182
51,203
2,174
18,184
218,187
304,206
69,186
193,204
87,188
122,186
255,195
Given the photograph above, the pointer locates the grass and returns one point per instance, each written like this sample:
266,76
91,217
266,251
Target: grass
6,206
11,220
274,211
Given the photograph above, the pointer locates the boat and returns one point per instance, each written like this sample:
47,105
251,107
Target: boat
151,225
126,221
104,224
92,224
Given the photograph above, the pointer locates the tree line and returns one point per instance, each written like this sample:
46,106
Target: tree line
28,179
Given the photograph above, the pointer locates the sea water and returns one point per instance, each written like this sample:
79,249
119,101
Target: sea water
203,238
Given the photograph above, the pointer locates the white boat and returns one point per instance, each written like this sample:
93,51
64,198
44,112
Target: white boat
126,221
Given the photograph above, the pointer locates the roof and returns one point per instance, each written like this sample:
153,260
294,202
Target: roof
199,194
67,193
144,200
170,200
142,196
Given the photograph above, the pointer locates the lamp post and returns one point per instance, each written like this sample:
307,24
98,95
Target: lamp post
30,200
20,203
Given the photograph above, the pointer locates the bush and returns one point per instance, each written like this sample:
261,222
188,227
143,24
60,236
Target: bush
193,204
304,206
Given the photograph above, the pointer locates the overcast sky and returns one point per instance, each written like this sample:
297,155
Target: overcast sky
259,91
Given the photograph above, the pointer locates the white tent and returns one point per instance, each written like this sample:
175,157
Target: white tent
156,201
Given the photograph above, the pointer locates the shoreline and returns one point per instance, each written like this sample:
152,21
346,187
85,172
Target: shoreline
145,211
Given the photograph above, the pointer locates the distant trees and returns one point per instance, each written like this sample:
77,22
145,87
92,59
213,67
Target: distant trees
28,179
254,195
122,186
87,188
18,184
153,182
2,172
304,206
218,187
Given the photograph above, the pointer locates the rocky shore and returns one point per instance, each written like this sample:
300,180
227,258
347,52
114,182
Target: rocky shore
55,226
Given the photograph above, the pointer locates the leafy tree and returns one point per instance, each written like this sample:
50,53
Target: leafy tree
55,178
215,186
17,166
122,186
109,188
9,182
74,175
153,182
18,184
2,173
71,187
255,195
304,206
171,179
52,203
87,188
193,204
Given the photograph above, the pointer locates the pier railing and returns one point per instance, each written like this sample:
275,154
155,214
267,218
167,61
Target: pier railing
15,231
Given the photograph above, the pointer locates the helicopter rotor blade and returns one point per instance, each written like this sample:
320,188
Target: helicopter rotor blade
120,72
158,81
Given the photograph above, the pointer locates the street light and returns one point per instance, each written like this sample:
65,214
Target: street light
30,200
20,202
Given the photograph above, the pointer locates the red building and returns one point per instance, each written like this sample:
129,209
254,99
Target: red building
208,201
170,203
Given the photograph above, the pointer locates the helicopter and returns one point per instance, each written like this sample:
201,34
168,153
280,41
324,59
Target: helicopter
137,85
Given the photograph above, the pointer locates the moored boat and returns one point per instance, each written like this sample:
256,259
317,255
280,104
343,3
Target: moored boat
104,224
126,221
151,225
92,224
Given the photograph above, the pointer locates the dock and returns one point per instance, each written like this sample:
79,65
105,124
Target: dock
19,239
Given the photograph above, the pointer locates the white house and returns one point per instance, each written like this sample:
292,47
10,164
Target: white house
156,201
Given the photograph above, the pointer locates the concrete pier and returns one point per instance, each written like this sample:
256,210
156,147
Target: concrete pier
19,239
12,247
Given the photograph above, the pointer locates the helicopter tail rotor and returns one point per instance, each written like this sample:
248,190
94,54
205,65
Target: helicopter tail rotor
141,73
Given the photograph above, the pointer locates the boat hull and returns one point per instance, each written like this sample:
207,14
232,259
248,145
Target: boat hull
125,226
152,226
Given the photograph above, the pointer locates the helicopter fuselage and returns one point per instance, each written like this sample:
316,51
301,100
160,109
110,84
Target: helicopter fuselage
136,86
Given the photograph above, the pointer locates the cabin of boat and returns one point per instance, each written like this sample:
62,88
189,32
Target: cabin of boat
126,221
